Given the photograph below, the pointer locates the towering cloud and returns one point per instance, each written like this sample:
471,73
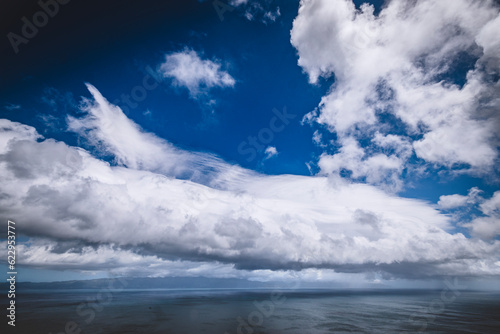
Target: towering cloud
400,73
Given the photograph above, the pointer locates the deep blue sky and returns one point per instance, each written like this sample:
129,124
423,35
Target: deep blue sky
110,45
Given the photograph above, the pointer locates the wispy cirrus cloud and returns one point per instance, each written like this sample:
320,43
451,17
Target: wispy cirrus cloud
262,11
110,132
11,106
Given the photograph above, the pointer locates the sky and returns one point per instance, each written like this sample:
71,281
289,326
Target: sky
314,140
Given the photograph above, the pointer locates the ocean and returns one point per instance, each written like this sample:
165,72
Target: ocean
229,311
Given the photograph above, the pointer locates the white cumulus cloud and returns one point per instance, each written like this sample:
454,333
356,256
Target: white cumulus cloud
393,69
270,152
488,225
189,70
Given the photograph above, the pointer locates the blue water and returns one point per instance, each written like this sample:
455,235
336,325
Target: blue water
264,311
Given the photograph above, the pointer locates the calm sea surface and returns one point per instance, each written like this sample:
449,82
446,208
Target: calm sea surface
262,311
